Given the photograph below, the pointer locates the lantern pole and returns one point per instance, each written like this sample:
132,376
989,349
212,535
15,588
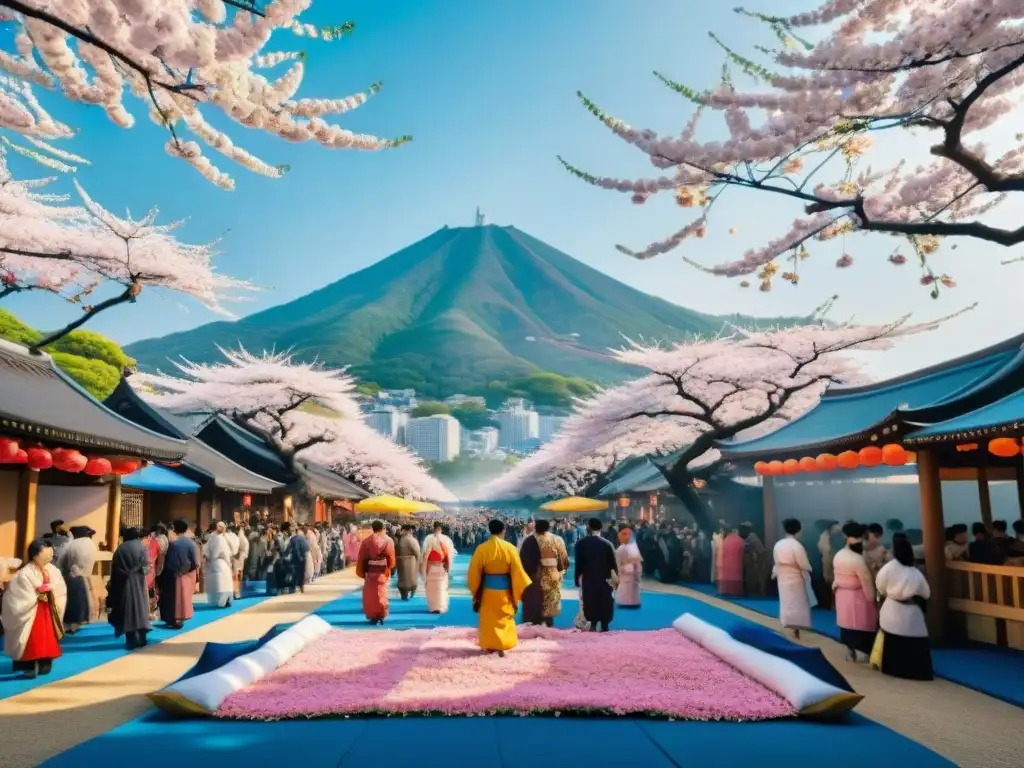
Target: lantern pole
933,530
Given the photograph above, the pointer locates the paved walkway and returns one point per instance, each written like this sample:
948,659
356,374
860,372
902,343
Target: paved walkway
969,728
96,701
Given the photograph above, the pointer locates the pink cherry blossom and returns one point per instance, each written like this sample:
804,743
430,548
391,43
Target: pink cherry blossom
304,411
182,59
941,72
743,383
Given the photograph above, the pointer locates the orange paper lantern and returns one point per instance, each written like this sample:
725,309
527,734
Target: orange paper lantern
807,464
1004,447
790,467
775,468
761,467
124,466
72,461
870,456
848,460
894,455
826,462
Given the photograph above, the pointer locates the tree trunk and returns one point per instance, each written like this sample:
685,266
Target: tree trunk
681,483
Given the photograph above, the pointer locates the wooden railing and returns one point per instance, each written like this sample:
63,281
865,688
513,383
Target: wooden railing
995,591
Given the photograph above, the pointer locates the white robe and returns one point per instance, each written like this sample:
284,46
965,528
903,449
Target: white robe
792,570
900,582
217,576
435,577
20,601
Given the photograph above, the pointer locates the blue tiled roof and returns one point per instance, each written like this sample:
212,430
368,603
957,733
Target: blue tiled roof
1003,416
846,413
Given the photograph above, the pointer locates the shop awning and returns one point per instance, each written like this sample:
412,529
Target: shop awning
160,480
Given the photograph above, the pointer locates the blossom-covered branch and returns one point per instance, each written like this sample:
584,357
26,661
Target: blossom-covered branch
179,57
71,250
696,394
946,71
303,411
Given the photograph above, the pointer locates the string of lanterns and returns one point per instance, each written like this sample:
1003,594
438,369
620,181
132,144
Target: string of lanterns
39,458
892,455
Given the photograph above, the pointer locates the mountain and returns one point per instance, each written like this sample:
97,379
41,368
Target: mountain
461,308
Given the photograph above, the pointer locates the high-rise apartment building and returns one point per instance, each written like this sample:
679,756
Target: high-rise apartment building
517,423
390,422
549,426
433,438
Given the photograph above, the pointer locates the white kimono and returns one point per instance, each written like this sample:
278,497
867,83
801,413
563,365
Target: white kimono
217,575
20,601
435,577
900,582
793,572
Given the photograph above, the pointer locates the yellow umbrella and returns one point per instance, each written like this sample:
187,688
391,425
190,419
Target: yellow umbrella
425,506
387,504
575,504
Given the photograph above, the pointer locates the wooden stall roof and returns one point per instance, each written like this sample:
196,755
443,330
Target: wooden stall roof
39,401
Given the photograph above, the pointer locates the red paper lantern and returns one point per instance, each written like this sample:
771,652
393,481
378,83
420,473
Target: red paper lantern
39,458
72,461
871,456
826,462
848,460
761,467
775,468
21,457
97,466
807,464
247,500
1004,447
124,466
790,466
8,450
894,455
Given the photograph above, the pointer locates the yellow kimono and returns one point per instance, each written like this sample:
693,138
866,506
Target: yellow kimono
496,574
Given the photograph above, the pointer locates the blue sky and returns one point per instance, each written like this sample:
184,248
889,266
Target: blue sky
488,91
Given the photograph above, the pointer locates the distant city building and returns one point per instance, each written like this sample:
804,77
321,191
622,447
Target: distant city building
549,426
524,447
517,423
403,399
433,438
465,400
478,442
390,422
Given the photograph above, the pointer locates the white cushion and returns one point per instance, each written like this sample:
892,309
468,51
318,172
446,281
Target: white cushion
809,695
203,694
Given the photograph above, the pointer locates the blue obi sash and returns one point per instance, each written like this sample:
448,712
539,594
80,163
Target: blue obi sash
497,581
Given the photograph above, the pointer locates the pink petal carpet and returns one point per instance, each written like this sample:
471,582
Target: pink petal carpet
443,672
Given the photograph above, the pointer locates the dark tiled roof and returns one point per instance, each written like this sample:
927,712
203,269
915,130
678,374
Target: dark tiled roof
212,467
323,482
38,400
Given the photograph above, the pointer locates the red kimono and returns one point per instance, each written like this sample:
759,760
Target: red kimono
43,642
731,580
374,565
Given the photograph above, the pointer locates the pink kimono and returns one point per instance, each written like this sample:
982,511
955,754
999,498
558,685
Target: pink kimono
854,591
731,578
351,540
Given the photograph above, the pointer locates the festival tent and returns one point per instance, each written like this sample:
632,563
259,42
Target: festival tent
575,505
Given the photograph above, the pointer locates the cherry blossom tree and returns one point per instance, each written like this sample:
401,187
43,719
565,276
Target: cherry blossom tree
696,394
185,59
939,72
71,250
303,411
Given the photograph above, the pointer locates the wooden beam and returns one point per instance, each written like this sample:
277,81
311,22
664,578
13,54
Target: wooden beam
25,513
933,528
771,522
985,498
114,513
